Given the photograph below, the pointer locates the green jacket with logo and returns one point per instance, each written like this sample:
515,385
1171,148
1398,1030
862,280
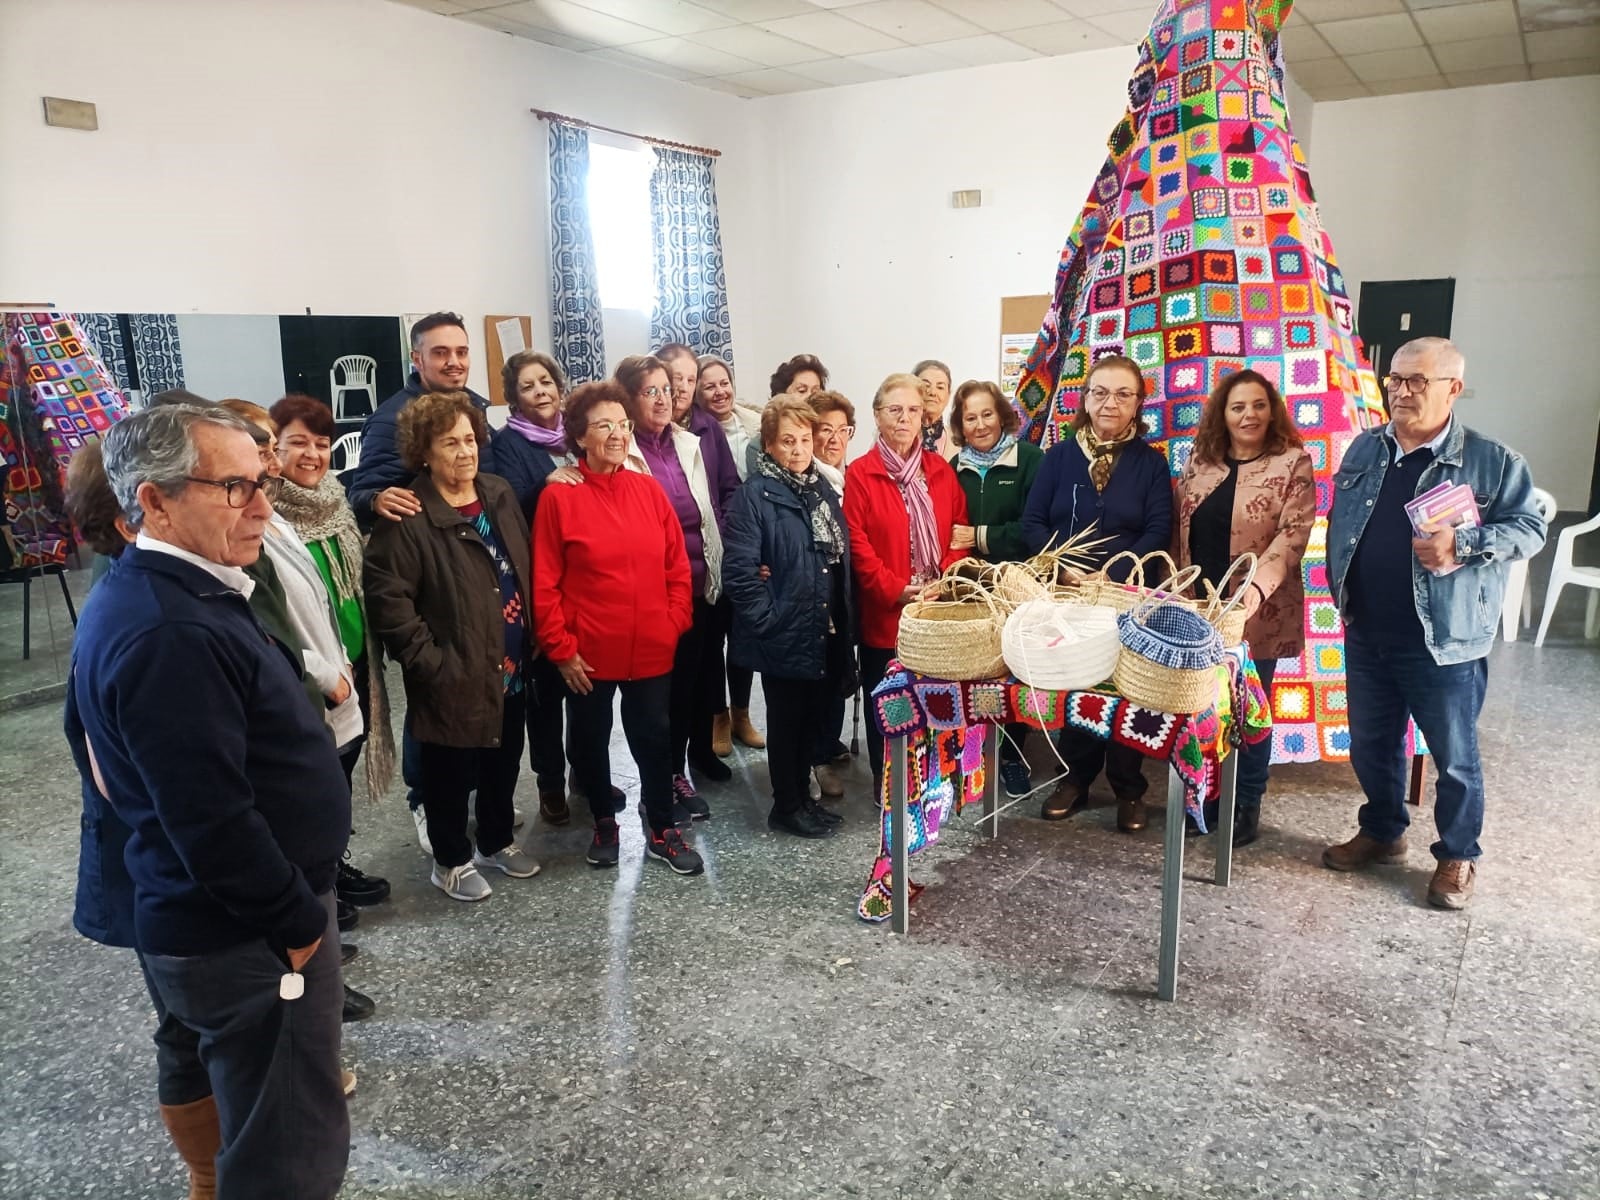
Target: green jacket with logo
996,498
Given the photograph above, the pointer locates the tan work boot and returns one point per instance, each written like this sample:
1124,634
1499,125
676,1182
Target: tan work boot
722,734
197,1135
1131,816
1451,885
1361,852
746,732
828,781
1067,798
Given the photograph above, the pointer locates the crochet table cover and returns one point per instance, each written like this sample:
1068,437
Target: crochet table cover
1199,252
942,723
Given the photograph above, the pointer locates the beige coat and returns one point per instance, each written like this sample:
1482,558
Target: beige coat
1274,506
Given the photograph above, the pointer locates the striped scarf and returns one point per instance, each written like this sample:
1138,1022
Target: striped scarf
913,484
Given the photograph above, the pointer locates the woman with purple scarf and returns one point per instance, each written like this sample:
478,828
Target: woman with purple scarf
530,452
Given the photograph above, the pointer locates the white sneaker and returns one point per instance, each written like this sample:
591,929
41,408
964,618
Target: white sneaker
461,883
420,816
513,860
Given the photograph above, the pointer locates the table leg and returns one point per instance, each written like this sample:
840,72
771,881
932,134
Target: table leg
1171,888
1418,762
991,779
899,855
1228,787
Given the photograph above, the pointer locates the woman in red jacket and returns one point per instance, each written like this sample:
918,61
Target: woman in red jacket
902,507
611,598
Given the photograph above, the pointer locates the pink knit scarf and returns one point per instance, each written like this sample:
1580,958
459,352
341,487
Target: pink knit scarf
913,484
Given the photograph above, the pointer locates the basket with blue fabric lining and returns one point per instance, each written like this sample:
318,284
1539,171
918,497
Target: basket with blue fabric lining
1168,657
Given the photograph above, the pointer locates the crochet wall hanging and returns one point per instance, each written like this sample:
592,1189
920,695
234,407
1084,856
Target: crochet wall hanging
55,394
1200,252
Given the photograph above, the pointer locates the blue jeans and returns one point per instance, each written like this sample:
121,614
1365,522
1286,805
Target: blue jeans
1255,759
1385,683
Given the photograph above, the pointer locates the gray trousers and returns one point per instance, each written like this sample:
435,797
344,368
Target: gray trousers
273,1064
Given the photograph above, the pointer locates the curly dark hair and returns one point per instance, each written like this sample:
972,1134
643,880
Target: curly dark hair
783,377
431,416
1009,421
510,373
316,416
585,398
1211,438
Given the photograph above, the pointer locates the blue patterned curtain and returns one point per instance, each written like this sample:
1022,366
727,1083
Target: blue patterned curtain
155,350
577,339
691,289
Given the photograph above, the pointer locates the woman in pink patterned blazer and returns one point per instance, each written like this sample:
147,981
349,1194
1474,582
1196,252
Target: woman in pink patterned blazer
1248,488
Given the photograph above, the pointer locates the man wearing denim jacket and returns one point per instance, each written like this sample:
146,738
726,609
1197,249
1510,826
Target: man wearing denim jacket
1420,612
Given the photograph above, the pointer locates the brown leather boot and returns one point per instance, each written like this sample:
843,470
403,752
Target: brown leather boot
1451,885
195,1132
746,732
1067,798
722,734
1361,852
1131,816
553,806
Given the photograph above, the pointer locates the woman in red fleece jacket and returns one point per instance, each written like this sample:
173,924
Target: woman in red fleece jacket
902,507
611,598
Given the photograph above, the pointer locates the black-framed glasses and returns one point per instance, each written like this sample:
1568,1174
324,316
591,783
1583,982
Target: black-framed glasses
1413,383
609,427
241,491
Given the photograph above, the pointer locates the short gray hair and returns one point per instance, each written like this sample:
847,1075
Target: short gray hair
157,446
1443,352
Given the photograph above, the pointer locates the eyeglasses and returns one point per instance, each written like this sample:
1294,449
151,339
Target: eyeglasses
610,427
1413,383
895,412
845,432
1122,395
241,491
653,393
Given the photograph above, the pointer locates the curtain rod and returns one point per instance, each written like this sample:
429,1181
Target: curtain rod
545,115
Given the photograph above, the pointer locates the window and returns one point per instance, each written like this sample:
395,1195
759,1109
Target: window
619,218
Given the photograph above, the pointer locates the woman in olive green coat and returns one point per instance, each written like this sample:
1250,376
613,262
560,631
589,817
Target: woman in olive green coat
996,472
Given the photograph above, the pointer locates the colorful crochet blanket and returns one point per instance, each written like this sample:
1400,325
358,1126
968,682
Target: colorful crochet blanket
54,395
942,723
1199,252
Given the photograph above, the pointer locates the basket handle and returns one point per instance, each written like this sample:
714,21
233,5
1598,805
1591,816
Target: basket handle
1135,576
1169,590
1216,607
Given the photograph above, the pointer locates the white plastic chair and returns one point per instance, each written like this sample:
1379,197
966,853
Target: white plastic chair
360,375
346,453
1562,572
1518,608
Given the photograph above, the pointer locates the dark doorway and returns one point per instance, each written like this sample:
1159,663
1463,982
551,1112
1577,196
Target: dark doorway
311,344
1393,311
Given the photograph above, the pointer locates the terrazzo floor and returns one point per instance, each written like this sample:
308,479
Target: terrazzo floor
634,1034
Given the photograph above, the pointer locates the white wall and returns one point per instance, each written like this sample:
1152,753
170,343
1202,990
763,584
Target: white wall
232,356
350,156
1495,186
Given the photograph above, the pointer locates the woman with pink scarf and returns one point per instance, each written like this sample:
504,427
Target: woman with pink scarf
902,506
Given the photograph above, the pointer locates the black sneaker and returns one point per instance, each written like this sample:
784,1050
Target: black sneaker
670,848
709,766
682,816
606,845
357,887
826,815
356,1006
800,822
686,798
619,801
346,913
347,952
1015,777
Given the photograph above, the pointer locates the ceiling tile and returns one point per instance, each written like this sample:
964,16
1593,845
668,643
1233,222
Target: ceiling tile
1398,87
1390,64
830,33
636,62
1488,75
735,89
1571,66
689,54
668,16
1555,45
998,16
915,22
575,21
493,20
1465,22
1096,8
1475,56
757,10
1064,37
1302,43
1557,14
907,60
757,45
1125,28
1322,72
445,8
1340,91
839,72
1318,11
1368,35
983,50
772,82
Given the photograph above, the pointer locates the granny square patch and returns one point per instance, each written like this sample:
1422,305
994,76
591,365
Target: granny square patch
1093,712
1151,733
1039,707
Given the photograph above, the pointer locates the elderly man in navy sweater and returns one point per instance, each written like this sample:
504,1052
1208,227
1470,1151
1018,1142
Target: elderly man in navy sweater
197,726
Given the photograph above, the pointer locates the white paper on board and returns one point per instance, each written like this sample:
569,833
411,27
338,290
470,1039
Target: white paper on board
510,334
